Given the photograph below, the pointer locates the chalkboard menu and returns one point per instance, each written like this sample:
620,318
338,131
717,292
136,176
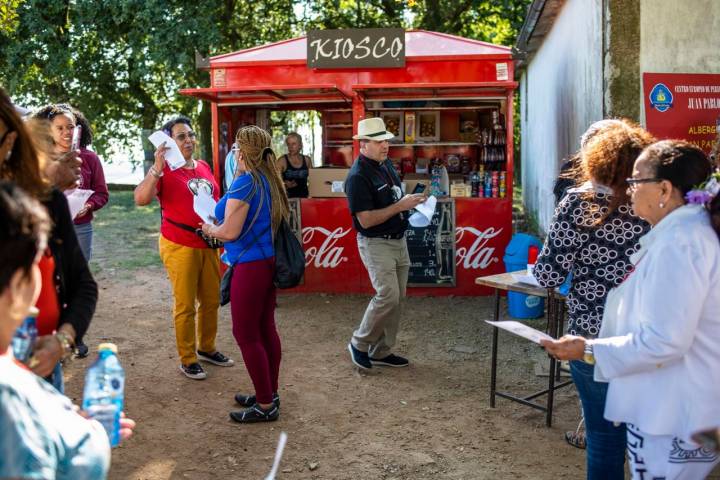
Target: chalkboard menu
432,249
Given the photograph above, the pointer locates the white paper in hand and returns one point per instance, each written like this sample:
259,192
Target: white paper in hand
173,157
76,199
424,213
204,206
521,330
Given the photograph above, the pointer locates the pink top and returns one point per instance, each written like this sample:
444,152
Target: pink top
93,178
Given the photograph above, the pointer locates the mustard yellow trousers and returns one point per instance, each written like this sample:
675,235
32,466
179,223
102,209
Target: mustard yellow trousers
195,277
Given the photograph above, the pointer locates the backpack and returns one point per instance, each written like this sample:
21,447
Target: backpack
289,258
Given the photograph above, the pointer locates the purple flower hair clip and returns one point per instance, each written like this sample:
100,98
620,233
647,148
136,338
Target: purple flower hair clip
704,194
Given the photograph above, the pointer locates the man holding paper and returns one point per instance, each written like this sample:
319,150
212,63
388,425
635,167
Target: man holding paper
380,215
183,186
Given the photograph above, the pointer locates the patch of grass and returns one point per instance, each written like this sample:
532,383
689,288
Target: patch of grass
125,235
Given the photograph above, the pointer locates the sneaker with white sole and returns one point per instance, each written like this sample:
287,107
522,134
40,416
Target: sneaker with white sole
390,361
256,414
194,371
216,358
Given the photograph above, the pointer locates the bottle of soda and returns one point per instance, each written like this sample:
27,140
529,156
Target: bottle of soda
23,341
104,391
475,184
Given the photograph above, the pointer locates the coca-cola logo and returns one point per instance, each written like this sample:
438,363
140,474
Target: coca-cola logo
478,255
329,254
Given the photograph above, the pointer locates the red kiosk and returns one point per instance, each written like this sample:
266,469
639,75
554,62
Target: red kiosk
450,104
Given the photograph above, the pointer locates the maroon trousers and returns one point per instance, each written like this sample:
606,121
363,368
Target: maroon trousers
252,304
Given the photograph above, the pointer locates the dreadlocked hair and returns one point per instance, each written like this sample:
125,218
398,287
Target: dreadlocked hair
260,161
609,156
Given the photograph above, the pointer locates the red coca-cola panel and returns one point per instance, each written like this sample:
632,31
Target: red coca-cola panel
483,228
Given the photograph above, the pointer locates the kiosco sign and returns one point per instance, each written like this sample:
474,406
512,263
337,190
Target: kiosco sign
356,48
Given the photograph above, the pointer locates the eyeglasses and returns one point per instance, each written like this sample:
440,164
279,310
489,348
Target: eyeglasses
634,182
183,136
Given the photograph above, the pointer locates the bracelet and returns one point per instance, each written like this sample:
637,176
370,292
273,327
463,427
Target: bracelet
66,342
154,172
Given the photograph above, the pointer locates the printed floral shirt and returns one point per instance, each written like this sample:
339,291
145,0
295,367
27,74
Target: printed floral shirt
597,255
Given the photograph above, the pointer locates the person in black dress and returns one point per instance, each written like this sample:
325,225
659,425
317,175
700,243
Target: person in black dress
295,167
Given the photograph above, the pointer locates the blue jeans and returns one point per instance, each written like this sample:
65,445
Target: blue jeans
605,442
84,233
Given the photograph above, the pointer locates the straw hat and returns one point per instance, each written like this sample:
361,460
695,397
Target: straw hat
372,129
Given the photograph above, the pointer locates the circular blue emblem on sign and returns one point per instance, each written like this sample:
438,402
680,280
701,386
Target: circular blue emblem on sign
661,97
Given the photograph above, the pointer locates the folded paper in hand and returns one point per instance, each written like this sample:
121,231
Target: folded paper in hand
204,206
424,213
521,330
173,157
76,198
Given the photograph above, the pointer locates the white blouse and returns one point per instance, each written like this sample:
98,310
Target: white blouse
659,344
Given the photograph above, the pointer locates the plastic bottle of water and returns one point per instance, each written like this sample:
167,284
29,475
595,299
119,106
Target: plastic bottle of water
104,387
23,341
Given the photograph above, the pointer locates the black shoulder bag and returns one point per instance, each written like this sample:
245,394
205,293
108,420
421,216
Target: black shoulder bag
289,257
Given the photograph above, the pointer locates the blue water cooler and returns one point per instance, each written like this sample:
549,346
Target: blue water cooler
520,305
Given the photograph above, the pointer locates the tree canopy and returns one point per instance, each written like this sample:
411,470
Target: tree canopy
122,61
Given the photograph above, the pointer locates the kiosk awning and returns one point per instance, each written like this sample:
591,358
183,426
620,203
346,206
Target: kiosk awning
432,90
271,94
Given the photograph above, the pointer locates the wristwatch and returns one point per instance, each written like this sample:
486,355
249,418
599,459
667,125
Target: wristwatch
589,355
66,343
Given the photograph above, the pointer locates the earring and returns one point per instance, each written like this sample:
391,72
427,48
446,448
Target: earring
8,155
662,205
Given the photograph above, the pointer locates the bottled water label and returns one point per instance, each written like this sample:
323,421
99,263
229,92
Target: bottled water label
107,416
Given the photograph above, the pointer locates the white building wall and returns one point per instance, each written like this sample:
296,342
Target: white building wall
561,95
679,36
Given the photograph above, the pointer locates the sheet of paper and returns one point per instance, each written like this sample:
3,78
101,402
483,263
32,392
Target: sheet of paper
521,330
526,279
173,157
278,456
76,199
204,206
424,213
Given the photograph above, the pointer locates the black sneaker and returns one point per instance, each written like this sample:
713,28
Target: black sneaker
194,371
250,400
256,414
216,358
360,359
390,361
81,350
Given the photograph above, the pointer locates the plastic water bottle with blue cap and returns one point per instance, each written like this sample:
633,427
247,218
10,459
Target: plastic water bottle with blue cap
23,342
103,397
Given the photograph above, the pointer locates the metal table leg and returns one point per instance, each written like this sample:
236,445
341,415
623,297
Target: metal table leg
552,327
493,360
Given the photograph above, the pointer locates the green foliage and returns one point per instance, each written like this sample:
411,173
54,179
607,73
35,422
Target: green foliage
8,16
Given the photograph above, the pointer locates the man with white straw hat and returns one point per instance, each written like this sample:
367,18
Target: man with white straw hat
379,214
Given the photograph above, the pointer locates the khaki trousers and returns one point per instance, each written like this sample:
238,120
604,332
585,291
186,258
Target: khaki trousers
388,264
195,277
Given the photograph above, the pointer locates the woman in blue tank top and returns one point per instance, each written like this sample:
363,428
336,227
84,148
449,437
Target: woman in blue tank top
248,217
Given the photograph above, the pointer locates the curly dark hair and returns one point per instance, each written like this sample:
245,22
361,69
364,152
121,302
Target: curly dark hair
86,137
167,128
609,156
48,112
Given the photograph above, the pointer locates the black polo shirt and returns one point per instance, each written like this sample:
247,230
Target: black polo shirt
369,186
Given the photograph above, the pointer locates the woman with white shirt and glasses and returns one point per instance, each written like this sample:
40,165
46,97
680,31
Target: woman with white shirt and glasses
659,345
592,235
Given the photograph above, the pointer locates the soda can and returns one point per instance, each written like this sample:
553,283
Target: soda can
495,192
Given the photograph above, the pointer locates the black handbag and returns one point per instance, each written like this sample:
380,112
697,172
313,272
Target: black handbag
289,258
225,286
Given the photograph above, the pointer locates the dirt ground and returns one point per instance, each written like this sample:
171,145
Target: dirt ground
431,420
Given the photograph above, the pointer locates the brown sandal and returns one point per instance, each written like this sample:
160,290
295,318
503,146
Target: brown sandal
576,439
